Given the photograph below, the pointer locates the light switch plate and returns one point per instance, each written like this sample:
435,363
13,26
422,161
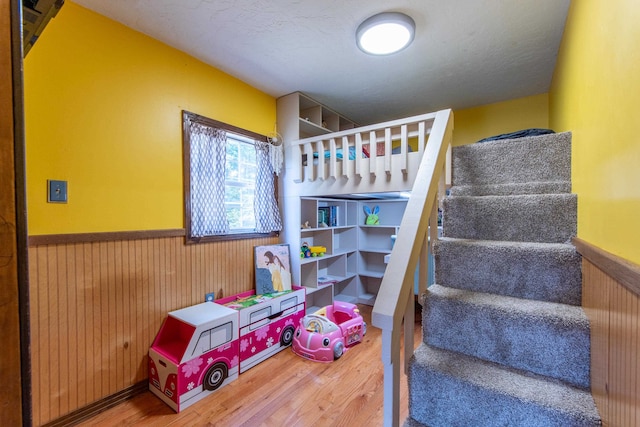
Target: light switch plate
56,191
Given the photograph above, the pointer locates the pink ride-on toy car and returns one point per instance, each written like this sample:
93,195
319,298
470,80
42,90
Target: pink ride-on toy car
326,334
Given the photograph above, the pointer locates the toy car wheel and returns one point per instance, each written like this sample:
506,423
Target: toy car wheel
215,376
287,336
338,350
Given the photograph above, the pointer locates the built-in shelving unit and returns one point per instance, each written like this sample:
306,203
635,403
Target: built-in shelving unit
303,117
374,243
317,119
354,262
333,225
299,117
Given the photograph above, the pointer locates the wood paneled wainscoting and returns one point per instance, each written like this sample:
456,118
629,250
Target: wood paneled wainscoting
611,299
97,301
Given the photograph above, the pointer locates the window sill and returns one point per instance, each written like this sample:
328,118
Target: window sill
226,237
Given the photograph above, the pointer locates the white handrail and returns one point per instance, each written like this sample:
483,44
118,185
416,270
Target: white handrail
395,303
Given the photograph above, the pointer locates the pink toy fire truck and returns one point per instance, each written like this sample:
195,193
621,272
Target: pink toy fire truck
194,353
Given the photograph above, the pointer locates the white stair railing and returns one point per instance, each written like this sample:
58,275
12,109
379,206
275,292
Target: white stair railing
394,302
353,165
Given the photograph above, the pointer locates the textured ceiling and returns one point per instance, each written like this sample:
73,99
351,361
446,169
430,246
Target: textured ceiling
466,52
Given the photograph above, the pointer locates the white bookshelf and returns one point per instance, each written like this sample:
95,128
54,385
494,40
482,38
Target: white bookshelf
338,265
354,261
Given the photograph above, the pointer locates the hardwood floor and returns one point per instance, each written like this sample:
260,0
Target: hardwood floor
284,390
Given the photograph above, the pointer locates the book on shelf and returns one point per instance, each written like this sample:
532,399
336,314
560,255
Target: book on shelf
328,215
326,280
333,215
323,217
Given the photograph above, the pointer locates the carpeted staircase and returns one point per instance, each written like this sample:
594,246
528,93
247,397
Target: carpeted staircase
505,341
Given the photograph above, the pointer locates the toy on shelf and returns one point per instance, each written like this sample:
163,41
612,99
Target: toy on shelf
307,251
318,251
372,216
305,226
325,335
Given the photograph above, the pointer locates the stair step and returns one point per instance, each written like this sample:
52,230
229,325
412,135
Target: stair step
549,218
540,337
505,341
451,389
512,189
531,159
539,271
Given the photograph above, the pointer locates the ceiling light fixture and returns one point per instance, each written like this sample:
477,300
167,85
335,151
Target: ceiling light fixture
385,33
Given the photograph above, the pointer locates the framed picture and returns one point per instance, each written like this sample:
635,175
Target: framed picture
273,269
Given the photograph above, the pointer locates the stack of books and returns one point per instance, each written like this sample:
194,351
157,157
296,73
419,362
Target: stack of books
328,216
326,280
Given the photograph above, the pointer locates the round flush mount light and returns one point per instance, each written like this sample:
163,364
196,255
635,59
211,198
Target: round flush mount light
385,33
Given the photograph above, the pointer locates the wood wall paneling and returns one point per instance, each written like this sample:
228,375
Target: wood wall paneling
614,311
96,307
595,300
348,393
625,357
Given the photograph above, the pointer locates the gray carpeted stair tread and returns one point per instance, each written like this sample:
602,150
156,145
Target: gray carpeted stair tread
547,218
540,271
451,389
531,159
541,337
505,342
512,189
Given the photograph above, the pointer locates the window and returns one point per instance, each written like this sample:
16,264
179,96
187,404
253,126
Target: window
240,183
230,186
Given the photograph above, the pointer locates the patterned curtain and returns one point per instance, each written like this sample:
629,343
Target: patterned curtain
265,204
208,158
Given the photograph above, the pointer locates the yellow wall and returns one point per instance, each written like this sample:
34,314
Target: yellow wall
474,124
595,94
103,111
